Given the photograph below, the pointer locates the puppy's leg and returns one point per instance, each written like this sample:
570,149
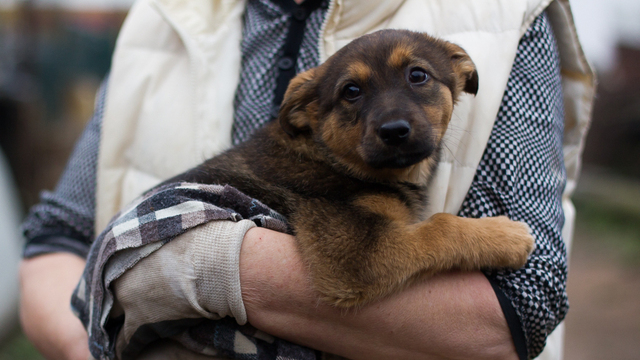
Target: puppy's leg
473,244
363,252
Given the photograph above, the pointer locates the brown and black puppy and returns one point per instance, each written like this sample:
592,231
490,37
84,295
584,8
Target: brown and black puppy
348,163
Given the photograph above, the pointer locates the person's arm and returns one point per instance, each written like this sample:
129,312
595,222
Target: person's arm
257,275
59,231
449,316
46,285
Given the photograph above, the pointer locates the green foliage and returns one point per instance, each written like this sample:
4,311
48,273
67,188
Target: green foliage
617,227
18,347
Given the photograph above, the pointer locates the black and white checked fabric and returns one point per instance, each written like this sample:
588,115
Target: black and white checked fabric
521,173
264,34
64,218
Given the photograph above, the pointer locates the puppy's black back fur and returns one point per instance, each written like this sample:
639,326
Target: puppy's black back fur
267,168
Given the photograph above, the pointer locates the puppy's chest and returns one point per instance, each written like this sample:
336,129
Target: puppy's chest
321,184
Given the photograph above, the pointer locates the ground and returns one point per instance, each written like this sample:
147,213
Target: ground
604,272
604,293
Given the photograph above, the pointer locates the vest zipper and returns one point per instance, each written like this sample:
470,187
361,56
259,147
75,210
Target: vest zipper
323,29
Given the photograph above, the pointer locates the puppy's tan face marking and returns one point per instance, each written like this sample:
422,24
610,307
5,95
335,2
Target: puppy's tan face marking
340,138
358,72
382,105
440,115
400,56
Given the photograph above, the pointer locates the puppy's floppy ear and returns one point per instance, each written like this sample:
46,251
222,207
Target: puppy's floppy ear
464,69
297,112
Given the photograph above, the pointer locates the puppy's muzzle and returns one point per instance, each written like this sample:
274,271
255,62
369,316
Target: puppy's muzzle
394,133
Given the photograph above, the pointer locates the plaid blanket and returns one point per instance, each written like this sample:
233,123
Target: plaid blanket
150,222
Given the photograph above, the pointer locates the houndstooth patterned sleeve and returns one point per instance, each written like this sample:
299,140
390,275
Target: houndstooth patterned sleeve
522,175
64,218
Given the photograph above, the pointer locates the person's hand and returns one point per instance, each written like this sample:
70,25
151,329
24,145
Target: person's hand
449,316
46,283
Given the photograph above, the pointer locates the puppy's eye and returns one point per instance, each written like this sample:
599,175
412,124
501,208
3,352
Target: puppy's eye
418,76
351,92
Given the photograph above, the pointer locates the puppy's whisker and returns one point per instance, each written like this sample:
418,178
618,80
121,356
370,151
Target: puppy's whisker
453,156
453,129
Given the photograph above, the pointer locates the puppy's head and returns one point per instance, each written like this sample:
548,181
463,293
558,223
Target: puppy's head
381,104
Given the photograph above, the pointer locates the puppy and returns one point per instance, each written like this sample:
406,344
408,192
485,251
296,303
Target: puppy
348,163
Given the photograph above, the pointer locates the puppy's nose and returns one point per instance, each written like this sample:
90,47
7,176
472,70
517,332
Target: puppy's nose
394,133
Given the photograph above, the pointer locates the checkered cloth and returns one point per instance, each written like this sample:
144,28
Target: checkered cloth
150,222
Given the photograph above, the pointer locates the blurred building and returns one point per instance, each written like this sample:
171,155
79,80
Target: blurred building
614,138
53,56
610,33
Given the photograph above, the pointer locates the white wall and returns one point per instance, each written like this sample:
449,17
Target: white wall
10,248
77,5
86,4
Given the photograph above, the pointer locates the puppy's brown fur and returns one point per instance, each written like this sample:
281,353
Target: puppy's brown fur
348,162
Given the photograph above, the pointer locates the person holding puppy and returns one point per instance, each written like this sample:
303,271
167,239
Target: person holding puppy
188,80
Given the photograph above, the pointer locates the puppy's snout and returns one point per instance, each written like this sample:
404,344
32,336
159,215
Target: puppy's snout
395,132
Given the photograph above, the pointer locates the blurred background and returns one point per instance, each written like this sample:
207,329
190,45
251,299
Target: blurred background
53,56
54,53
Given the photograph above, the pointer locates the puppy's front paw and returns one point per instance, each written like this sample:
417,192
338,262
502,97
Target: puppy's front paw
514,239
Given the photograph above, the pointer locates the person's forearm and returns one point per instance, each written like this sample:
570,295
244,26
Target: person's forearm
450,316
47,282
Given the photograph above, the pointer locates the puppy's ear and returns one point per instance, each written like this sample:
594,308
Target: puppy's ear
464,69
297,112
